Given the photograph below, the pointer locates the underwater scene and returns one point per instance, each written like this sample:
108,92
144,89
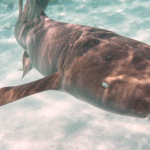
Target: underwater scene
48,116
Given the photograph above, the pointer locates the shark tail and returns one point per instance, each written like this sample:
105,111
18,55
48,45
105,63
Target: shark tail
10,94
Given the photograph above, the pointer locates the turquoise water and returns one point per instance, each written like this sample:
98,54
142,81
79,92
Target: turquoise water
56,120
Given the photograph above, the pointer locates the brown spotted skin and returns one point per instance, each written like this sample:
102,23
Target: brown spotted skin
124,66
80,58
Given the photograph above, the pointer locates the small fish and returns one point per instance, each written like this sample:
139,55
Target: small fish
10,5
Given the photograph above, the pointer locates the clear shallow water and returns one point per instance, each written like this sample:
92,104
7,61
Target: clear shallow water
56,120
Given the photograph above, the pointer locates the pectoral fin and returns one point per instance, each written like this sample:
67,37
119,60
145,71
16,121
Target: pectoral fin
27,66
10,94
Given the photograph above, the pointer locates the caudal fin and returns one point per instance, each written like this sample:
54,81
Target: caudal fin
10,94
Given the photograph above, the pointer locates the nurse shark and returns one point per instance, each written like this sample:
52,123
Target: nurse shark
100,67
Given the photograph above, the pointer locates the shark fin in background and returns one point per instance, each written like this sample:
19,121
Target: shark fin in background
27,66
10,94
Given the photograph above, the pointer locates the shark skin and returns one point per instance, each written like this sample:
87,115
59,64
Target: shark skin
100,67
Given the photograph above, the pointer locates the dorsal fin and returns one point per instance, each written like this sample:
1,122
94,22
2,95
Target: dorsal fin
43,3
27,66
33,10
20,6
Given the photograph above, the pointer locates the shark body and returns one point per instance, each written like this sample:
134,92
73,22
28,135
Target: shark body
100,67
